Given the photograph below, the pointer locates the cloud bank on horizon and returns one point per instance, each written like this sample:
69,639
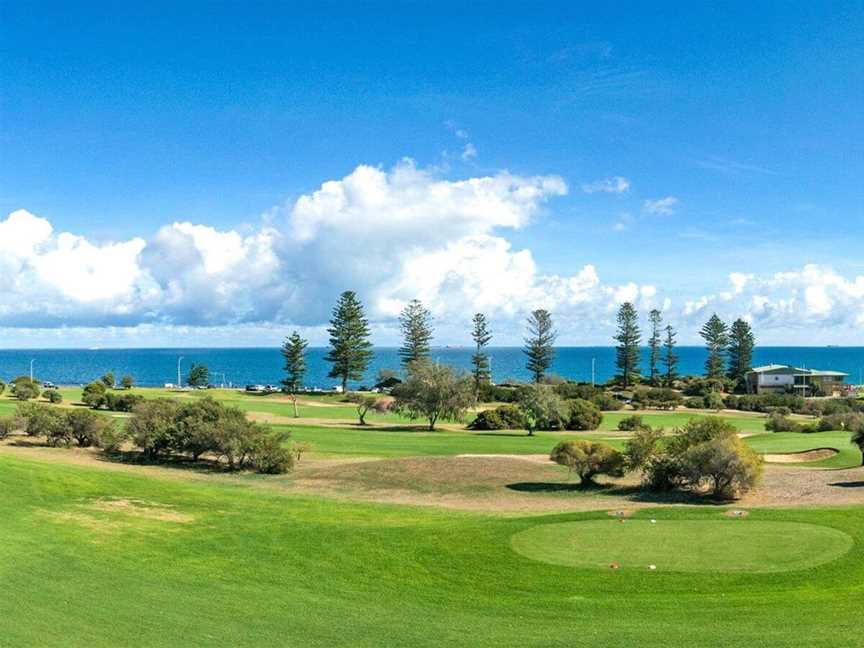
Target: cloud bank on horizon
390,235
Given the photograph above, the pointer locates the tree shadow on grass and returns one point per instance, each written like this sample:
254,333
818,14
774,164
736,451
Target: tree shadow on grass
138,458
630,493
559,487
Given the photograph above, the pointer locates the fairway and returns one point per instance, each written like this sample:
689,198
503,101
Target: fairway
684,545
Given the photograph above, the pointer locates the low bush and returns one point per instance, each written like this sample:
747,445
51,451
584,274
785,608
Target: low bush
53,396
570,391
24,389
607,402
7,426
94,394
778,422
587,459
122,402
582,415
632,423
503,417
657,397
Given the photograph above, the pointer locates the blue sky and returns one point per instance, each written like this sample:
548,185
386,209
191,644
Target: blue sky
736,128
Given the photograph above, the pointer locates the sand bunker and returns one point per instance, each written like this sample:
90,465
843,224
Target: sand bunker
816,454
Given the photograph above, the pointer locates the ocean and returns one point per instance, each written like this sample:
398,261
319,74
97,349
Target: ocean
241,366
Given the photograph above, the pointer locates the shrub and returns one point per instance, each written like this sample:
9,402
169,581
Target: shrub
122,402
778,422
40,420
269,454
570,391
659,397
53,396
127,382
705,454
642,447
152,427
86,427
2,387
726,466
542,408
607,402
503,417
112,438
497,394
632,423
7,426
588,459
94,394
24,389
583,415
714,401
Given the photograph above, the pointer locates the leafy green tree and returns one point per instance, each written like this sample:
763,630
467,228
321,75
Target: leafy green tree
588,459
350,348
2,387
127,382
542,408
364,403
294,352
670,358
53,396
539,344
628,338
416,324
24,388
433,391
716,336
583,415
94,394
108,380
480,361
199,375
740,350
655,317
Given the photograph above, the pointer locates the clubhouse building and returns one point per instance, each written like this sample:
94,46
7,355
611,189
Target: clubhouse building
776,378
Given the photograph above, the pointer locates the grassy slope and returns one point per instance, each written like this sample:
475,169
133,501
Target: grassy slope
263,569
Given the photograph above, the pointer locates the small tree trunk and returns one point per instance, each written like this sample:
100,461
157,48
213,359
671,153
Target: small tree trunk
294,402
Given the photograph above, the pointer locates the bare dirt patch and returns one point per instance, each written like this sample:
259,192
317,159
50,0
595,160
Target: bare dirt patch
816,454
736,513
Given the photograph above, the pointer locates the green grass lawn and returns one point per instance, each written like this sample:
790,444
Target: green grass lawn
200,564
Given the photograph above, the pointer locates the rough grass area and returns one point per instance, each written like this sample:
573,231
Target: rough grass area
719,545
97,558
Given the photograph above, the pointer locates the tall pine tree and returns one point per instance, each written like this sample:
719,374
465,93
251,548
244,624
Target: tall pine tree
654,342
670,358
480,361
716,336
416,324
294,352
741,344
350,348
627,352
539,343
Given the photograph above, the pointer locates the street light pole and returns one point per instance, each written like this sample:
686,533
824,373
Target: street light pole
179,382
31,369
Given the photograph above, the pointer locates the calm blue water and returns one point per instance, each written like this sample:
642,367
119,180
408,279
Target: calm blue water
154,367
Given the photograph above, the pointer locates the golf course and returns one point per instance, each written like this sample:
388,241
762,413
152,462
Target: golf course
389,534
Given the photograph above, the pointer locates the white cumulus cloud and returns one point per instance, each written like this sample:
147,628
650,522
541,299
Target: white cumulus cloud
614,185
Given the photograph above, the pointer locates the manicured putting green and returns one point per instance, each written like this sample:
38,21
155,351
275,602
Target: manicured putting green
683,545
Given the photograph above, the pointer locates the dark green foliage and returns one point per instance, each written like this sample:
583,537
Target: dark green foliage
108,380
583,415
716,336
122,402
643,447
53,396
94,394
542,408
199,375
705,455
164,427
294,352
87,428
628,338
365,403
479,360
416,324
657,397
741,344
587,459
503,417
632,423
670,358
607,402
2,387
497,394
24,389
127,382
350,348
769,402
570,390
655,317
778,422
539,344
7,426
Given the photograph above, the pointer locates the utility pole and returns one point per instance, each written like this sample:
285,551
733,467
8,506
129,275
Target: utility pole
592,371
